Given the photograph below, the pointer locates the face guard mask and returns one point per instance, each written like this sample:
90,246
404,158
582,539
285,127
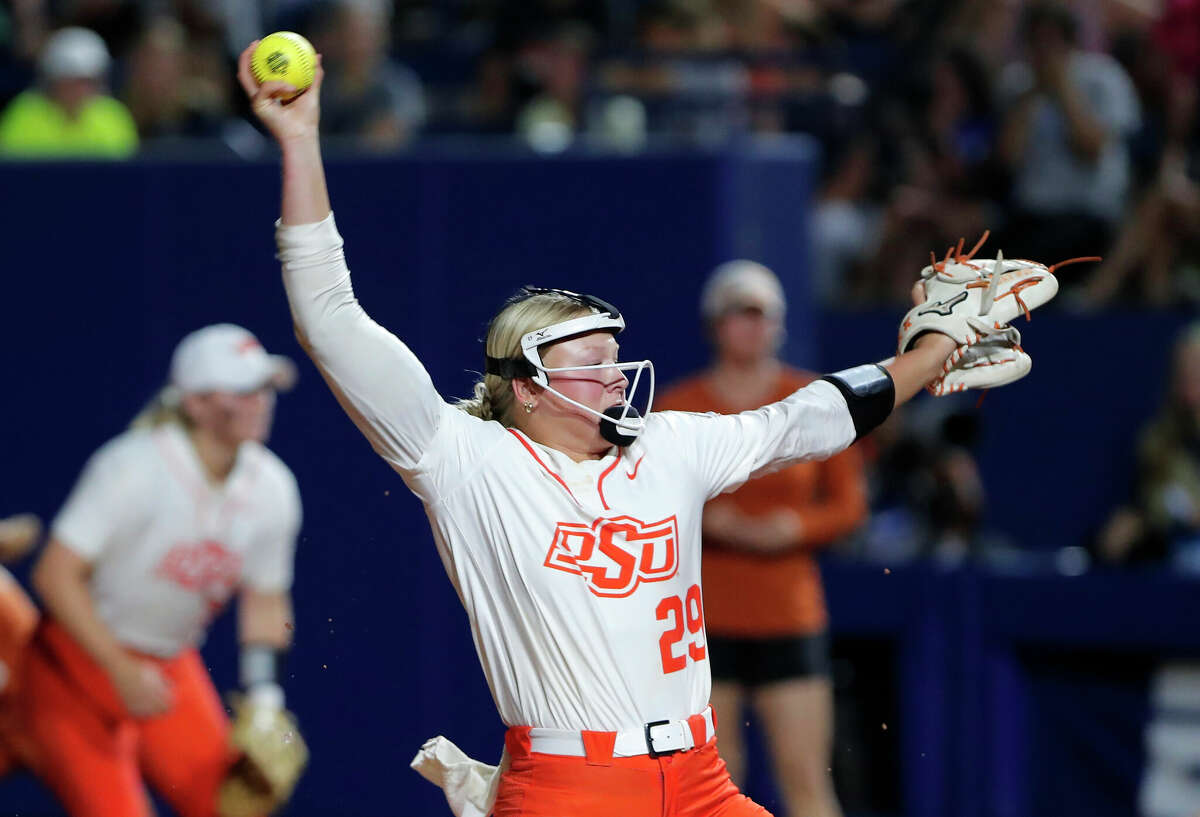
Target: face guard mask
620,424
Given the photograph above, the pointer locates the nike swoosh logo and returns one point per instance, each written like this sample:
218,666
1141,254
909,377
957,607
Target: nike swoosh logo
636,466
944,308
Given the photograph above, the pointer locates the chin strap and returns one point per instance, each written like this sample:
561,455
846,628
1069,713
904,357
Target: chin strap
612,432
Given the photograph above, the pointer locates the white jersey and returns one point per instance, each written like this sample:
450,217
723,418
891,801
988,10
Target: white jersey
581,581
168,548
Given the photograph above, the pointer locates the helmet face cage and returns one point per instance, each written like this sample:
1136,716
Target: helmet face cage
628,421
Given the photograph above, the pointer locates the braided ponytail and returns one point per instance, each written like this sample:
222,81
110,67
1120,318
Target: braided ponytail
481,405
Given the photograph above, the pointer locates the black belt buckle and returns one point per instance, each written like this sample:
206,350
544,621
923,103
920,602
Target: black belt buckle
650,741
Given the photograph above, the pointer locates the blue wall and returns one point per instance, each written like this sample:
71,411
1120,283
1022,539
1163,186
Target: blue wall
108,266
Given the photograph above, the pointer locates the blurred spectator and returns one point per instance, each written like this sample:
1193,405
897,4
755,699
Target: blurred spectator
847,218
1163,522
876,54
554,66
693,88
533,67
367,98
764,606
1162,228
175,88
1159,241
947,178
69,115
1068,117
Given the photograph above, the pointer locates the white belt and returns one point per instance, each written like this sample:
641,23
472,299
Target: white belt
657,738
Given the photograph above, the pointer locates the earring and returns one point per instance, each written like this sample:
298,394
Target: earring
528,407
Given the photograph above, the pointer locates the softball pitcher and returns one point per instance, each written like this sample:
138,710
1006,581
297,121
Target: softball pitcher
166,523
567,520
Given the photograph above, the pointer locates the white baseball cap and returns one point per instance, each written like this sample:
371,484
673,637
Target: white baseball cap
74,52
225,357
739,284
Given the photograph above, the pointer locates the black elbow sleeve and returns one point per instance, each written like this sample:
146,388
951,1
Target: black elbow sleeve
869,392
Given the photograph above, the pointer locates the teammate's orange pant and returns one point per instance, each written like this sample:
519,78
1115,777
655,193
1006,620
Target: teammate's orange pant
94,755
685,784
18,618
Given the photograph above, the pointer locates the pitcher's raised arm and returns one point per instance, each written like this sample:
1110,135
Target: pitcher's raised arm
375,377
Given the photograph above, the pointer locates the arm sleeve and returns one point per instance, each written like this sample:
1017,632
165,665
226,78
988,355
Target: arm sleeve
376,379
843,504
270,562
103,503
725,450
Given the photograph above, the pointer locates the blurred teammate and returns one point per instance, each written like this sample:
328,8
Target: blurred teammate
167,522
764,608
568,524
18,618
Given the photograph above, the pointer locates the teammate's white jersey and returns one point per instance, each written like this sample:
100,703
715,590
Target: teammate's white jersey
168,547
581,580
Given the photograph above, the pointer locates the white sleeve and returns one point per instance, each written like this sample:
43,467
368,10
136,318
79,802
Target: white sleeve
104,502
376,378
270,561
725,450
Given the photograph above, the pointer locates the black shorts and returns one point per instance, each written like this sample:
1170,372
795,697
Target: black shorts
753,662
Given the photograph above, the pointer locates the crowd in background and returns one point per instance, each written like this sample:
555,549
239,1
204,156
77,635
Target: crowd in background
1068,129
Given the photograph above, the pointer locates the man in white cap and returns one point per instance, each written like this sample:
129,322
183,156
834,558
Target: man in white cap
168,521
69,114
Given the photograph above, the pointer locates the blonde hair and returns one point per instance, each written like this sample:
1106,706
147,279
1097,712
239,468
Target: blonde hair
494,398
165,407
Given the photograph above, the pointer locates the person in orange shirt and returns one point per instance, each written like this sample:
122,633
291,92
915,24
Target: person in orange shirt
764,606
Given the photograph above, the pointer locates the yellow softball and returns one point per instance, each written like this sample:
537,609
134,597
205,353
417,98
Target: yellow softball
284,57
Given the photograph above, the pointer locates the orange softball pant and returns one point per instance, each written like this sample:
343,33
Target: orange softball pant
95,756
694,783
18,619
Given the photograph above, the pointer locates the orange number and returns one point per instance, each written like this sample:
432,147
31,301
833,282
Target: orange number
695,623
686,614
671,606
